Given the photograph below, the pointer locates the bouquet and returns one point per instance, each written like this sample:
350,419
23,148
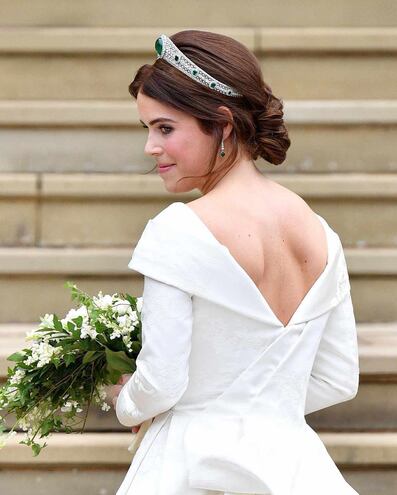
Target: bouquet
69,364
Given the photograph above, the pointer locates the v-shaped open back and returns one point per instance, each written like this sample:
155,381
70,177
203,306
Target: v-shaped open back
244,273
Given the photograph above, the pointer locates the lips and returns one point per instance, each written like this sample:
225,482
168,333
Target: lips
166,165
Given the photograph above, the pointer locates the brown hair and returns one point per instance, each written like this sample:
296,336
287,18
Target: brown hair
257,115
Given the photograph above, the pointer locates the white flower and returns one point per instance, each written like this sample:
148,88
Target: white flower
47,321
42,352
75,313
139,303
101,392
24,424
122,306
134,317
88,331
103,302
68,406
105,407
123,321
32,335
115,334
122,327
11,393
17,376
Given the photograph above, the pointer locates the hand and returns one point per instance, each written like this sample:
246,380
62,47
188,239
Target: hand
114,392
135,429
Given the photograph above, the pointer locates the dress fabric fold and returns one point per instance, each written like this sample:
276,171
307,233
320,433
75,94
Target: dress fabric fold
227,383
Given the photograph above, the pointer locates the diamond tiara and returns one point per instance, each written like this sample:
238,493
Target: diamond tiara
166,49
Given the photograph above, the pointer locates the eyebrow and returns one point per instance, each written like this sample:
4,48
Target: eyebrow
160,119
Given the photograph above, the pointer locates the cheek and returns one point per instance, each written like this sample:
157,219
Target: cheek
177,147
193,147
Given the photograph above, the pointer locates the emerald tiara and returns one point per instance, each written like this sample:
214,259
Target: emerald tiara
166,49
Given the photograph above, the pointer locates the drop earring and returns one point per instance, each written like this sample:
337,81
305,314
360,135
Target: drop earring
222,153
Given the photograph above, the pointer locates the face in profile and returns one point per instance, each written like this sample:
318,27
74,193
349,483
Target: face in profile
174,137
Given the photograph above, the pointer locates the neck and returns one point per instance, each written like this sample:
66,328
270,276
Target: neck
243,174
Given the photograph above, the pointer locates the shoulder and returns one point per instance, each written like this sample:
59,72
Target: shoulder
169,242
160,230
168,214
264,213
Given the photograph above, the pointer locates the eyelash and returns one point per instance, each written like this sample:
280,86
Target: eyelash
162,127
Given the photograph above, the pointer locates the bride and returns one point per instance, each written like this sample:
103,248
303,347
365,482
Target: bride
248,323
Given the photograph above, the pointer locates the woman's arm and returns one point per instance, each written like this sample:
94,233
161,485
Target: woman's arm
162,367
335,373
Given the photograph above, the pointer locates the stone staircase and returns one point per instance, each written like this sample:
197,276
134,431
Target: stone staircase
74,196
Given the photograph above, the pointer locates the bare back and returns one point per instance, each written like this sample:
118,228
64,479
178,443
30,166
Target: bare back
274,236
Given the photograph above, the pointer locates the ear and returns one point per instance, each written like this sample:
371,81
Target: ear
228,127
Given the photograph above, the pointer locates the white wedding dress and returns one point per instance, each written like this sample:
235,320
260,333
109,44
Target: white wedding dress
228,385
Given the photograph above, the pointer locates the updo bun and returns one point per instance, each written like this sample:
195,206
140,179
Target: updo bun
271,137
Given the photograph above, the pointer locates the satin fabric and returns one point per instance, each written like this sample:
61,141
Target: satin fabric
227,383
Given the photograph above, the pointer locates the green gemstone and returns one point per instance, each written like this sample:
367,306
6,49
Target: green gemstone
194,72
176,57
159,45
229,92
222,153
213,85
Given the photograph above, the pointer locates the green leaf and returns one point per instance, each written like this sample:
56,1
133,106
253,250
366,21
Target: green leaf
37,448
69,285
114,376
131,300
136,346
57,324
17,357
133,367
46,427
119,361
70,326
78,320
56,361
69,359
90,356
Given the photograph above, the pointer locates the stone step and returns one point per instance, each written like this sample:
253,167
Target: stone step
373,408
96,63
98,462
33,279
35,136
191,14
62,210
138,40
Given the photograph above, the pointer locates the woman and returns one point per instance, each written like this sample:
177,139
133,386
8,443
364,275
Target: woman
248,322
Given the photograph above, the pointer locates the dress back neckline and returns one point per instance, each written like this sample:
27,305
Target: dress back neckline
248,278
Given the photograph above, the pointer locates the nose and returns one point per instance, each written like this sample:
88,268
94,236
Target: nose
151,148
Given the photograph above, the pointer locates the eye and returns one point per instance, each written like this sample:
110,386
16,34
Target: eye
168,129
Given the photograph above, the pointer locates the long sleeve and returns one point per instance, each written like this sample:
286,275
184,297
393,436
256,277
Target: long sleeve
335,373
162,367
